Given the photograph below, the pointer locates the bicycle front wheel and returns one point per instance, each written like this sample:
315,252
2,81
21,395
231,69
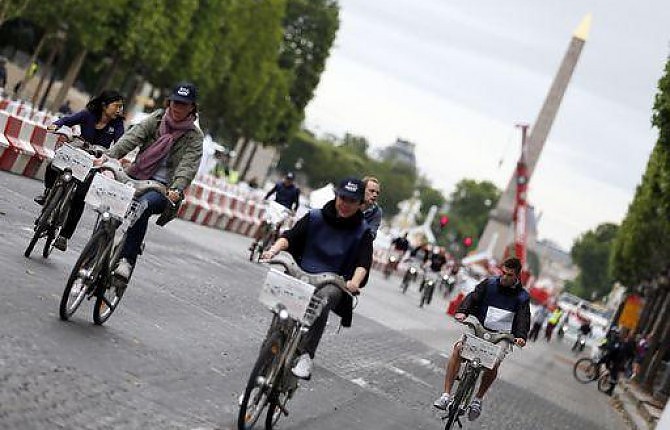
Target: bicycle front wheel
605,383
465,389
585,370
83,277
108,300
257,393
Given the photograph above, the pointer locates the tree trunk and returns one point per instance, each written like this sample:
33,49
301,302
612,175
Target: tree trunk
659,332
69,79
33,59
662,341
240,150
643,326
46,72
250,160
107,77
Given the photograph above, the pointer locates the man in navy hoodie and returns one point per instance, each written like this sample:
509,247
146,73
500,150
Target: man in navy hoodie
500,303
334,239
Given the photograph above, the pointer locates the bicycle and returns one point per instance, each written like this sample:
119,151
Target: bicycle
93,273
74,164
427,288
588,369
479,350
290,295
410,275
274,217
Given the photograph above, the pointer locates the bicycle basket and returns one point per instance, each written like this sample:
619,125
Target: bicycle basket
284,291
488,353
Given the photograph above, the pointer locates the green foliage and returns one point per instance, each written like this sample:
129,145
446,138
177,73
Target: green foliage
356,144
591,253
256,63
326,162
641,250
469,207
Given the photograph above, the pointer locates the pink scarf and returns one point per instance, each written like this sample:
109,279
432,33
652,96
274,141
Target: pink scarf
148,161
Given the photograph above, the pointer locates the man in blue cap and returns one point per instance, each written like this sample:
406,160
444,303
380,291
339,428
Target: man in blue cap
334,239
288,195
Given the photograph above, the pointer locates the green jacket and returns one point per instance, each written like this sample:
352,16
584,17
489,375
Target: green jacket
183,159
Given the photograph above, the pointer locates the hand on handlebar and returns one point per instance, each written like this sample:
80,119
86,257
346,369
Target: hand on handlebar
173,195
519,341
353,288
267,255
100,161
459,316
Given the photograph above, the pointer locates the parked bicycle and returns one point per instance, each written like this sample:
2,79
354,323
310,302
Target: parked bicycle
273,220
112,194
481,349
589,369
74,160
290,295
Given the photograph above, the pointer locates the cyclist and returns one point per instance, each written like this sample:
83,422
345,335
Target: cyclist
101,124
371,210
170,149
287,193
335,239
500,304
436,262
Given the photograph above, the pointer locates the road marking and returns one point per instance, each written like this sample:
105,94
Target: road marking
408,375
360,382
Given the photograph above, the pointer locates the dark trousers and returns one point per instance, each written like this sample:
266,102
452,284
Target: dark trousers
157,203
535,331
311,339
76,206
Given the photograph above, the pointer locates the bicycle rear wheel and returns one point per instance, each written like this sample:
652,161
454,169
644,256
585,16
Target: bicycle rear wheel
43,222
58,218
585,370
83,277
257,393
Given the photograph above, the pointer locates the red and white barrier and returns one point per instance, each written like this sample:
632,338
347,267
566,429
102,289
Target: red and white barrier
15,159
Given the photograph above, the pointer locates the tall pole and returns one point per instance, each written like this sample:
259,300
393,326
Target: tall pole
501,217
521,203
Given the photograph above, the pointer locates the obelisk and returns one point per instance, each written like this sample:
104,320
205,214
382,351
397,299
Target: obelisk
500,218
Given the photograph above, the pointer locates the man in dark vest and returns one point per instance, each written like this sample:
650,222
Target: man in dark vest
287,194
335,239
500,304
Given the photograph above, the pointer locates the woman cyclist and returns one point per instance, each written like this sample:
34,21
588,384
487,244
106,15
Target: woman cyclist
101,124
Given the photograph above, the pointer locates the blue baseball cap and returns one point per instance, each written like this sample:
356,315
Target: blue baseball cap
352,188
184,92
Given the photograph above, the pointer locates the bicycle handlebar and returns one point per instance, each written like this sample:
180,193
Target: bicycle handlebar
285,260
482,332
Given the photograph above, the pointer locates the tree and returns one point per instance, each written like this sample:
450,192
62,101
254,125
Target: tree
640,250
356,144
10,9
310,27
591,253
469,206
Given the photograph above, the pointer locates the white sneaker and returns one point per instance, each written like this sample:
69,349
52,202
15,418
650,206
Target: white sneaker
442,402
475,409
123,269
303,368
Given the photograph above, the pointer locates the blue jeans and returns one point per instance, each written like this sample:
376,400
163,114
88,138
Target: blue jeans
157,203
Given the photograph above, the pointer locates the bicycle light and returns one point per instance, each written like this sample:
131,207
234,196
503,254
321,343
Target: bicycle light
106,216
283,314
67,177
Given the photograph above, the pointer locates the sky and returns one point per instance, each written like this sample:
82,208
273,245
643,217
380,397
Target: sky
456,76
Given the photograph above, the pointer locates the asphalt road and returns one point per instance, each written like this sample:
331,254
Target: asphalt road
179,349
